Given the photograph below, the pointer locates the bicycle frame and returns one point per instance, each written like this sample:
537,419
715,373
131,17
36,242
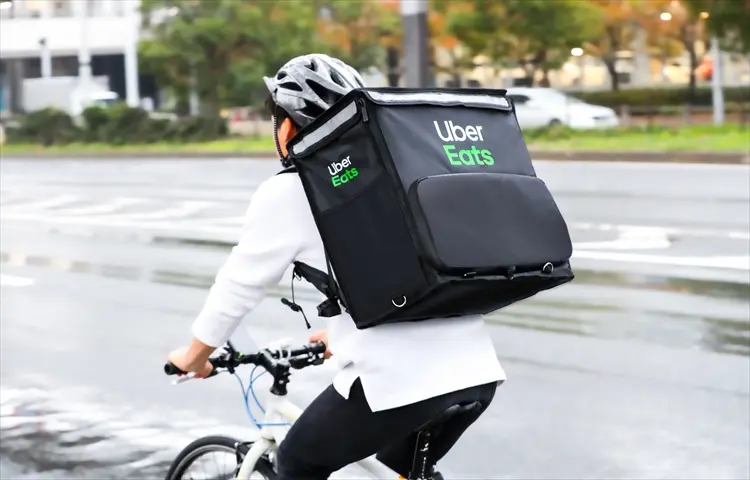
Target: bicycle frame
279,409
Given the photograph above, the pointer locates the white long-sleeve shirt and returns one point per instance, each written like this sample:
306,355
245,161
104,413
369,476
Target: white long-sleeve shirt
398,364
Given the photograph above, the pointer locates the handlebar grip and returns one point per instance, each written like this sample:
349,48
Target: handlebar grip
171,369
318,348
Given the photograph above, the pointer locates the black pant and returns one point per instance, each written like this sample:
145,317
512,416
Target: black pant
334,432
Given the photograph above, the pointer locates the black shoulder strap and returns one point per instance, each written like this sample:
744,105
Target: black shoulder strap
322,281
325,284
291,169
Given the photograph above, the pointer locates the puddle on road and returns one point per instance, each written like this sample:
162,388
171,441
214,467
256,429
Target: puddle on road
76,434
593,317
193,242
41,439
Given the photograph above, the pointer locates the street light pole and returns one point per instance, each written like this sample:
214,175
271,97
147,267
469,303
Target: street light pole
132,20
416,42
46,55
716,82
84,54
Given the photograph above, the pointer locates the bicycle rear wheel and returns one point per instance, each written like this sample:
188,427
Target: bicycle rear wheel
214,458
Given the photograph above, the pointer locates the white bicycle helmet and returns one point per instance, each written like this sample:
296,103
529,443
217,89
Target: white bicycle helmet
308,85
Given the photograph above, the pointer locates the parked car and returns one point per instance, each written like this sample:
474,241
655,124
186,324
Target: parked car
540,107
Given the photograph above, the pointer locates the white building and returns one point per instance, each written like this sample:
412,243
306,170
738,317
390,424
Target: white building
28,27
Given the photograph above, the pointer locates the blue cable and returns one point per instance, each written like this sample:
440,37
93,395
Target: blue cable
252,391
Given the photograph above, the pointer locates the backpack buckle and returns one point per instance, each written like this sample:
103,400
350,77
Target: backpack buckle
329,308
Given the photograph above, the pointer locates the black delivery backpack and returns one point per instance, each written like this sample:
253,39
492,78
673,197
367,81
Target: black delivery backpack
428,206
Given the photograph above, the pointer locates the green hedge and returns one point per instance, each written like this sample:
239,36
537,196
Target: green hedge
652,97
118,125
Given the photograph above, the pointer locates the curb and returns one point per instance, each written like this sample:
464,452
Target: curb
718,158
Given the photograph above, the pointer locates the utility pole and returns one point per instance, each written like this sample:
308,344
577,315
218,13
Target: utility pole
717,77
132,19
45,52
416,42
84,54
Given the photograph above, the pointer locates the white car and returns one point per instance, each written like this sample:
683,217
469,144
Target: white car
541,107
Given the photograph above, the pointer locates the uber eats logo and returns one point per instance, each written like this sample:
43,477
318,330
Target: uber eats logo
336,168
457,133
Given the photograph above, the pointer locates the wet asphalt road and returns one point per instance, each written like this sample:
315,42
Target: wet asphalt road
639,369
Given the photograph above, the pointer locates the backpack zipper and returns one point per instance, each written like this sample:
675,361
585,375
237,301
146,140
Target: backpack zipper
365,116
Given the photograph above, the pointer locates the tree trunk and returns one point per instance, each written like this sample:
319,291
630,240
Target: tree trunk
456,73
693,67
611,68
545,78
392,66
688,39
610,59
211,104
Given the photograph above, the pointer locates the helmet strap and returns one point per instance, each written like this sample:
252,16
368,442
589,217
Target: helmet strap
286,162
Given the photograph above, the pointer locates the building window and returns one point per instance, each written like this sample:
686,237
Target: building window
65,66
63,8
32,67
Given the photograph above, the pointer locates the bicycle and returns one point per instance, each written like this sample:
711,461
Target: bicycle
258,456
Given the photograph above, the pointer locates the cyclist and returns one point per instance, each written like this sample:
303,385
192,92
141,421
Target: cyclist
393,378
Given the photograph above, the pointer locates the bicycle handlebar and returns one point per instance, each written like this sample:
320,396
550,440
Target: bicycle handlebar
271,360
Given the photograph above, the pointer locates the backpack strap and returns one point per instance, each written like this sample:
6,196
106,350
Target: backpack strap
325,284
322,281
291,169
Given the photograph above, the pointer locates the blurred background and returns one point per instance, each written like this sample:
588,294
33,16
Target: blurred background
132,142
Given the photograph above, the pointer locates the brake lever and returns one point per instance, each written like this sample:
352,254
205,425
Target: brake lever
232,353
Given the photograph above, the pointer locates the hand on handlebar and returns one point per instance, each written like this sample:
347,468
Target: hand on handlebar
183,359
322,336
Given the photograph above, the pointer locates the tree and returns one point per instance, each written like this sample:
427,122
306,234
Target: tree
727,19
545,32
358,31
619,29
534,34
226,45
444,19
671,35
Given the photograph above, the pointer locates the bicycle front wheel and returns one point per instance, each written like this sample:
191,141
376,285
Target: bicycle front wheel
214,458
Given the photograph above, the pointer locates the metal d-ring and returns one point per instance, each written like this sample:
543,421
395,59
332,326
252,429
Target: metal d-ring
393,301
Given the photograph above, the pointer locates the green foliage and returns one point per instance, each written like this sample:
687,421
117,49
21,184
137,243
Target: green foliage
95,121
729,19
653,97
534,34
697,138
119,125
227,45
353,30
46,127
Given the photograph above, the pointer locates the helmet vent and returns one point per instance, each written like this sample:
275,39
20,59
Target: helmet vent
291,86
311,110
337,78
326,94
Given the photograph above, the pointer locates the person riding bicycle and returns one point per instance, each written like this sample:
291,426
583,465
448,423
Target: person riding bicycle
393,378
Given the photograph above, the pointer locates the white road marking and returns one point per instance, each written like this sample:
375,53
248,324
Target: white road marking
739,262
116,221
184,209
633,239
13,281
113,206
229,220
690,232
630,237
42,204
